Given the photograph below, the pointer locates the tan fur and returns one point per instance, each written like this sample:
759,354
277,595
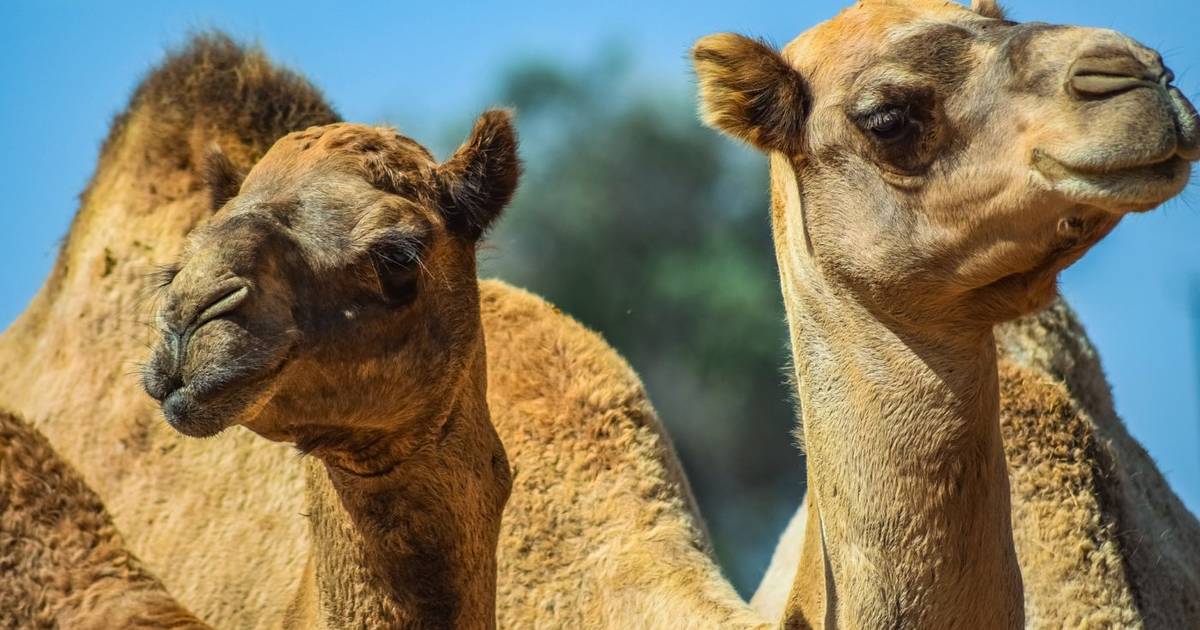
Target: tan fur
988,8
63,563
266,483
1103,540
601,530
949,166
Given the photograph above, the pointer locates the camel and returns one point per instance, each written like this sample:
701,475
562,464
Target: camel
600,529
64,563
933,170
331,303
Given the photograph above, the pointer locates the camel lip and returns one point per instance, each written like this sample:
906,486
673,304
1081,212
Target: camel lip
1055,167
1119,188
186,415
207,405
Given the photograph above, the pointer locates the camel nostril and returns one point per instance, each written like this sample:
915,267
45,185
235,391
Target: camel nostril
163,388
1102,76
222,304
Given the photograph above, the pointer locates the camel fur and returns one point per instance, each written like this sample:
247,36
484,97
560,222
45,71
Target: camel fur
64,564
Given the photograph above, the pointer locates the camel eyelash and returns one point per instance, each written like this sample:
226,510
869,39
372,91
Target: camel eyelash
165,275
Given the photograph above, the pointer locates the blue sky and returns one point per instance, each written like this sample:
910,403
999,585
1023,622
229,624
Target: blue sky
67,67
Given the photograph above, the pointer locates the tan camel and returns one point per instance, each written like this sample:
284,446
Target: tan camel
331,303
933,169
63,562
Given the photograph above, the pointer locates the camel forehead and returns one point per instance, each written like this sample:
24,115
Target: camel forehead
340,147
862,31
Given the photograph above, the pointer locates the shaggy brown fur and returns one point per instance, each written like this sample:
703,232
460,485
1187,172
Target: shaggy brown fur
1103,540
63,563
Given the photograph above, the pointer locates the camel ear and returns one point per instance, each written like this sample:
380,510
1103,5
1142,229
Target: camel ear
988,8
221,177
748,91
480,178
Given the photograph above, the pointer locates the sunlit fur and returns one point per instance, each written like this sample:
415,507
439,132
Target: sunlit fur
898,253
600,529
1101,538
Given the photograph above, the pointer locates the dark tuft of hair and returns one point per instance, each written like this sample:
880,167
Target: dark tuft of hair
215,83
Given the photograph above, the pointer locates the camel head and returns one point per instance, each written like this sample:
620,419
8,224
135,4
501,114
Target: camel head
942,164
339,269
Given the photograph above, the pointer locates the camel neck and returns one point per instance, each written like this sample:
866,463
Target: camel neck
414,545
906,466
906,469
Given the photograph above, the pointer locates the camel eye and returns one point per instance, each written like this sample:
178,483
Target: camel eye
888,124
395,264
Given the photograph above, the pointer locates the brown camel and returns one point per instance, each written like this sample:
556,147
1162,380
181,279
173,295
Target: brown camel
601,528
933,170
598,495
331,303
63,562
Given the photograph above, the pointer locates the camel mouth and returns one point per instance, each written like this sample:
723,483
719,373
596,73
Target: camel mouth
188,414
1119,188
210,404
205,388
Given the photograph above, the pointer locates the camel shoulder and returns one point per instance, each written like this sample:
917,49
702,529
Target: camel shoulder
535,349
559,392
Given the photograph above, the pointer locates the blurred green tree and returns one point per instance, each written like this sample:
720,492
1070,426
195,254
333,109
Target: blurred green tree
653,230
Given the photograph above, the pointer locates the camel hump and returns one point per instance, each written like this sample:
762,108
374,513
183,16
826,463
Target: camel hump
217,87
527,335
211,92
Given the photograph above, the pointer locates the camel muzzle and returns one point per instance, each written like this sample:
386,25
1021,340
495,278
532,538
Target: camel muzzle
1109,72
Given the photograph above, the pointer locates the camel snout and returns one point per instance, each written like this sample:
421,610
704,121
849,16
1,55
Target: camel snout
1118,65
187,310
